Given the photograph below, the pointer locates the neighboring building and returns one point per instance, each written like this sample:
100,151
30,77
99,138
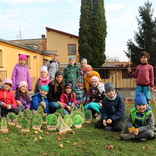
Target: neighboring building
9,53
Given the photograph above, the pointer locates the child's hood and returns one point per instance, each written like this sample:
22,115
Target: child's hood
18,65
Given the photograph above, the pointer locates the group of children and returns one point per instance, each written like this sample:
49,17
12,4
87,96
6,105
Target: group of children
75,86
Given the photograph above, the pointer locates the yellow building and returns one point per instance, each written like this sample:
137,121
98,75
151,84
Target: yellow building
9,53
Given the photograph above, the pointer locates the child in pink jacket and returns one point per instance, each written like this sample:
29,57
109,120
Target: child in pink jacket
68,98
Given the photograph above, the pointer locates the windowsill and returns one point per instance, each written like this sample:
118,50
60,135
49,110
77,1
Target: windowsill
1,66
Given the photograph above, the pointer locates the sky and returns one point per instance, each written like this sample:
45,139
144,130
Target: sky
30,17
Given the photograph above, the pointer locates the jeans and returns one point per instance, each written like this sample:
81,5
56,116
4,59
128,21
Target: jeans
54,106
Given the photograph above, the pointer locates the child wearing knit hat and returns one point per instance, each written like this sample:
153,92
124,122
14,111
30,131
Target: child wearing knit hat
22,97
40,99
72,71
83,64
113,110
94,97
7,100
79,90
43,80
89,74
21,73
53,65
140,123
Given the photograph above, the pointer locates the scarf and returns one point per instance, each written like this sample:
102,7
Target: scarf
44,81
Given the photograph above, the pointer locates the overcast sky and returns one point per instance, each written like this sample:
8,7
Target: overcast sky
64,15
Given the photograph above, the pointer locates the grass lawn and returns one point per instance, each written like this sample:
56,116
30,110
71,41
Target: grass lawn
86,141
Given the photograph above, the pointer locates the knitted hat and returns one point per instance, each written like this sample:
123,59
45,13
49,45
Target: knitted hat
95,78
87,67
45,87
84,60
140,99
7,80
44,68
108,87
23,83
22,56
68,85
72,58
80,79
58,73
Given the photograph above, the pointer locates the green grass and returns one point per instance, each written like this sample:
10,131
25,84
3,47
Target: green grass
86,141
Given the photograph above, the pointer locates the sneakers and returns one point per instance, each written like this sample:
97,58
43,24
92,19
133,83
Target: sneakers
126,136
98,116
108,128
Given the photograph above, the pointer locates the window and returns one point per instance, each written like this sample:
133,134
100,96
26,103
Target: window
28,62
104,73
1,58
71,49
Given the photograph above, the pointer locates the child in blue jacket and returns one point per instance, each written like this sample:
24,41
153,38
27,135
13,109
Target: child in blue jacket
40,99
113,110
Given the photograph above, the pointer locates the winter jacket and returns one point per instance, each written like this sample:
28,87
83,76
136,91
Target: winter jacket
52,96
26,103
113,109
36,99
64,99
80,94
147,122
38,85
71,73
8,98
53,67
144,75
88,78
20,73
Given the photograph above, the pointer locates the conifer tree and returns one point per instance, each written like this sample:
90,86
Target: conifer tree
145,38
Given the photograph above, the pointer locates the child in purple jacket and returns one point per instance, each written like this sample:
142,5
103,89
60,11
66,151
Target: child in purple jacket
21,73
22,97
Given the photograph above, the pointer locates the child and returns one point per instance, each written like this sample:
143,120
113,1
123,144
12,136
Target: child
7,100
68,98
79,90
140,123
144,76
40,99
43,80
53,65
22,97
72,71
113,110
94,97
89,74
56,88
83,64
21,73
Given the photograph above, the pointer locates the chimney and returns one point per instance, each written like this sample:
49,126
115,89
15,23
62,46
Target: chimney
42,36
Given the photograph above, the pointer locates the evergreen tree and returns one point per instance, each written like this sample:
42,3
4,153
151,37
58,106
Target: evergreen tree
98,27
92,32
145,38
85,31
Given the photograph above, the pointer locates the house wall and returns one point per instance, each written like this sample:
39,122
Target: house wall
9,59
59,42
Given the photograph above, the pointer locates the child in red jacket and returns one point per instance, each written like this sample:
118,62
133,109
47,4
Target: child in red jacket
68,98
7,100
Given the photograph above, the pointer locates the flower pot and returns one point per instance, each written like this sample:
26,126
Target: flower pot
36,127
51,127
78,126
4,129
18,125
25,130
12,122
87,120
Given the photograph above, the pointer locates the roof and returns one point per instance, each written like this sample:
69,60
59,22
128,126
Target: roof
22,46
61,32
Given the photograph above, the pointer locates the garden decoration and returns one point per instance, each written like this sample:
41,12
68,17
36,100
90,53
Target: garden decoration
68,124
4,128
37,122
81,108
88,116
66,117
61,112
40,110
61,125
77,121
74,109
51,121
57,114
11,117
25,124
28,114
77,112
18,119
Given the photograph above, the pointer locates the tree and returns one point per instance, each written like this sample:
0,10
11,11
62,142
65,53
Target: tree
145,38
92,32
85,31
